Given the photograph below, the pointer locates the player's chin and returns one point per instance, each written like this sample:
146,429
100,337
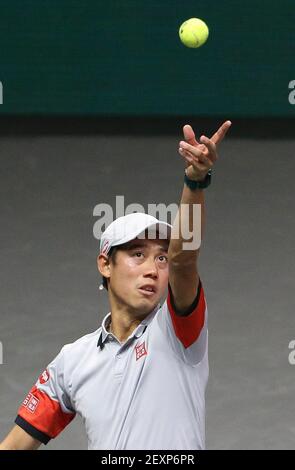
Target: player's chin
149,301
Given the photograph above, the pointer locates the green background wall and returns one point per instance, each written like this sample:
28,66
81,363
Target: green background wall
124,58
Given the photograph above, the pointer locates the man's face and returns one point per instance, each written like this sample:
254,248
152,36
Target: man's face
139,276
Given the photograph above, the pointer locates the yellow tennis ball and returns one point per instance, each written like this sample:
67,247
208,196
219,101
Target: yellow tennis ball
193,32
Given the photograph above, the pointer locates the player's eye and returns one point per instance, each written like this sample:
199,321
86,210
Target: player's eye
163,258
138,254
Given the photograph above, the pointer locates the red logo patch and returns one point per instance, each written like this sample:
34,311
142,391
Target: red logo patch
140,350
31,402
44,377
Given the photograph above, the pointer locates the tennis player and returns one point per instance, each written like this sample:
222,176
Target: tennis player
139,380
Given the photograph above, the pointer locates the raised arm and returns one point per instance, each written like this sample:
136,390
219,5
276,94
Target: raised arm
183,252
18,439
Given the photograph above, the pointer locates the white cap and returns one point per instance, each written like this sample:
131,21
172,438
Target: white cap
128,227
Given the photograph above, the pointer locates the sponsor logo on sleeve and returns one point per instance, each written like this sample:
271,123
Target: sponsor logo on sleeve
44,377
31,403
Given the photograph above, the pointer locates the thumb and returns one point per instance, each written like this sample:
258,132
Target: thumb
189,135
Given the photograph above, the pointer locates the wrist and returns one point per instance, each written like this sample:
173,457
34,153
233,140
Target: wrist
201,184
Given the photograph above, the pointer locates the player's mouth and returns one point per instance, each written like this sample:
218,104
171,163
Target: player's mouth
147,289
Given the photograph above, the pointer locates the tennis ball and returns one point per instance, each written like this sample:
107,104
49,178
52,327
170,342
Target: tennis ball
193,32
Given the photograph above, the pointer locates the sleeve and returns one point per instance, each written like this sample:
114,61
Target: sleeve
187,333
47,408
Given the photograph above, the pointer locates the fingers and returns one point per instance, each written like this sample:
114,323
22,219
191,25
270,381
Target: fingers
220,134
197,152
194,156
211,147
186,159
190,160
202,155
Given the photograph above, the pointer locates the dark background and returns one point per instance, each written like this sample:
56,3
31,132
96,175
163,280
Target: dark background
124,58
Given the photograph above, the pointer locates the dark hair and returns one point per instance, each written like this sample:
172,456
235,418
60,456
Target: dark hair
112,257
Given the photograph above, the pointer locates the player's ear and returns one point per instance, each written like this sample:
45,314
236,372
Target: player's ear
103,265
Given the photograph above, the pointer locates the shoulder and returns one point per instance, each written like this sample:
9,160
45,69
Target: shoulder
82,346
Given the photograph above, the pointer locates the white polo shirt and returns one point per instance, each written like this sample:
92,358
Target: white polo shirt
147,393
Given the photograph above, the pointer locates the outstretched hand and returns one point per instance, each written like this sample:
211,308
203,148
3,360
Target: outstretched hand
200,156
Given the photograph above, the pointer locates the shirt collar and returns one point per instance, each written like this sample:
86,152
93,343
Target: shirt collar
105,334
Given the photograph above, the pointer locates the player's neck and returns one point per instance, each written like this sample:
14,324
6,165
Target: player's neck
124,321
122,326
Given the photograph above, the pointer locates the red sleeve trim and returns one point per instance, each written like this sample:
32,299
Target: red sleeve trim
43,413
188,328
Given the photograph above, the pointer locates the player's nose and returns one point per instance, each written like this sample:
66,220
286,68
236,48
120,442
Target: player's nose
151,269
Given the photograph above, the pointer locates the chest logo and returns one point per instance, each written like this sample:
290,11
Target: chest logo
140,350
